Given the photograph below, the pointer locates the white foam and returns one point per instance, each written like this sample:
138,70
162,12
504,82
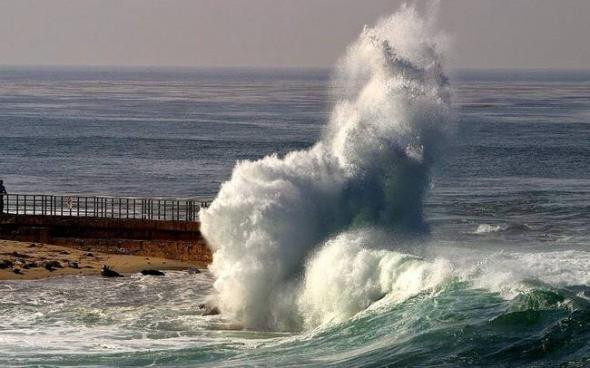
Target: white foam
369,169
487,228
348,275
509,273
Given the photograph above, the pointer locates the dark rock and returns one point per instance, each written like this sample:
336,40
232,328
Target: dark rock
89,254
32,245
193,271
17,271
52,264
209,310
64,252
31,265
19,255
106,271
152,273
73,264
5,264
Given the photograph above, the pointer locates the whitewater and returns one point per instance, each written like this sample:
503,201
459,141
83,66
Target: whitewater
422,219
282,227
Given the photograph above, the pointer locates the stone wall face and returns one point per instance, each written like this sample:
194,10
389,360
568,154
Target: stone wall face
167,239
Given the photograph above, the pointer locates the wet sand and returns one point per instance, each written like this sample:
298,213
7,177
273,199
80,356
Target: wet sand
30,259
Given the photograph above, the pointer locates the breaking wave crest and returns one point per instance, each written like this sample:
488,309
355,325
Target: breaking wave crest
296,239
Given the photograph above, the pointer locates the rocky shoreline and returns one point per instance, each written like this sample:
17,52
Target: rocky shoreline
32,260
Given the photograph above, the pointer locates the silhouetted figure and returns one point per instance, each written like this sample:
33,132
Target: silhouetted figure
2,193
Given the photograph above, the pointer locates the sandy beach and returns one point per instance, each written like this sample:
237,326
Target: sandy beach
28,260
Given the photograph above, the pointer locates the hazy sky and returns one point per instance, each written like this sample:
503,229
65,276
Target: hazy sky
486,33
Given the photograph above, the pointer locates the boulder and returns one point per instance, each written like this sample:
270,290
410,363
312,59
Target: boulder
106,271
52,265
152,273
209,310
5,264
31,265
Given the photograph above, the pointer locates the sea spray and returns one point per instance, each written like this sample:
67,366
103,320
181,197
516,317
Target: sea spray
348,274
270,221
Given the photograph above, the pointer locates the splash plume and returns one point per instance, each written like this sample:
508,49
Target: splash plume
276,220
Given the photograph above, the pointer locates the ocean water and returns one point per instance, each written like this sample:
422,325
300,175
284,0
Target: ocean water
394,241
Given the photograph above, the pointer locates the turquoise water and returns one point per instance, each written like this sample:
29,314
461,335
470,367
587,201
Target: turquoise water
144,321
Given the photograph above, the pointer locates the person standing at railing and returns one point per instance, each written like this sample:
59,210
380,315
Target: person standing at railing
2,193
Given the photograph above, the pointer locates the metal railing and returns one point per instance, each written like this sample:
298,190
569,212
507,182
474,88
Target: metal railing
104,207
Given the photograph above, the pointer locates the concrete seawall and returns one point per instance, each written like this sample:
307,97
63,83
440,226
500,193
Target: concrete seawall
180,240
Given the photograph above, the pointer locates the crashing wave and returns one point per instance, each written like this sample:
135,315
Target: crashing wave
281,227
